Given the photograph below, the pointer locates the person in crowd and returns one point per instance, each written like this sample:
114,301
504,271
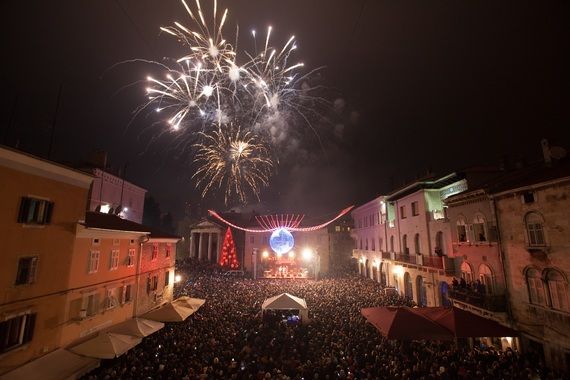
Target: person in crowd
228,338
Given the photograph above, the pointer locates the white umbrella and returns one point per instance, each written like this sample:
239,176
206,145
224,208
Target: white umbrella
107,345
140,327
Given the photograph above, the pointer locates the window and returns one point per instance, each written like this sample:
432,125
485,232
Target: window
114,260
91,304
479,228
337,228
17,331
405,248
127,293
380,244
402,212
415,209
466,272
154,251
528,197
168,249
166,278
360,243
366,246
461,231
417,244
154,282
27,267
373,242
439,246
557,290
35,211
391,243
535,287
132,242
486,278
535,229
95,242
112,299
93,261
131,258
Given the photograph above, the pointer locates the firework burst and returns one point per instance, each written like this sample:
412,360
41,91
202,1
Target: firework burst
233,160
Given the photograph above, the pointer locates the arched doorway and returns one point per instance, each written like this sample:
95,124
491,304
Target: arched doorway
421,291
466,272
444,294
383,274
486,278
408,289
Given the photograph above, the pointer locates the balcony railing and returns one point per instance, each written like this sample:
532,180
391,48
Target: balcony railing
411,259
496,303
432,262
386,256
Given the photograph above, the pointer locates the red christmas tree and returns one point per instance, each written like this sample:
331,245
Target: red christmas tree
229,254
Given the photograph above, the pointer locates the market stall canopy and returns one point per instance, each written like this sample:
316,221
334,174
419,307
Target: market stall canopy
140,327
284,301
464,324
57,365
404,324
106,345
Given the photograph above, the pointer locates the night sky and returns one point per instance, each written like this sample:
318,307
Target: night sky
436,86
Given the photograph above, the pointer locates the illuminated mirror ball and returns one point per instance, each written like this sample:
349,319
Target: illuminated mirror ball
281,241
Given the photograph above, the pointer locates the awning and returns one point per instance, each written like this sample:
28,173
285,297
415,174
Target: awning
284,301
57,365
464,324
106,345
404,324
140,327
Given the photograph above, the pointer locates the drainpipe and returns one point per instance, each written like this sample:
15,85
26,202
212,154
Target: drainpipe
502,259
143,240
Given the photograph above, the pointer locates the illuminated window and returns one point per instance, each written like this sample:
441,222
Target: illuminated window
35,211
535,229
337,228
486,277
27,267
466,272
168,249
112,298
93,261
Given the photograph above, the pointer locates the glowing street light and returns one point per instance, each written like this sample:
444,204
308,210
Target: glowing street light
307,254
265,254
177,278
291,254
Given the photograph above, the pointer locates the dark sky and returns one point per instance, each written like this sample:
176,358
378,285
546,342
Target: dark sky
437,85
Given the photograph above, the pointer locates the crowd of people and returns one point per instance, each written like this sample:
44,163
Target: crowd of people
228,339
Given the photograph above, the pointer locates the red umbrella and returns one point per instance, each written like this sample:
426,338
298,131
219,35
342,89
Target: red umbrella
403,324
464,324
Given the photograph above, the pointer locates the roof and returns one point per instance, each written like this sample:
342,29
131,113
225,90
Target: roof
113,222
427,183
284,301
510,180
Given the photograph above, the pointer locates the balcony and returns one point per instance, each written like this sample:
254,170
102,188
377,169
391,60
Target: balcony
387,256
495,303
410,259
432,262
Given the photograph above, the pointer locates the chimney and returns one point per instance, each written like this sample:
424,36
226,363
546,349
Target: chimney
546,151
98,158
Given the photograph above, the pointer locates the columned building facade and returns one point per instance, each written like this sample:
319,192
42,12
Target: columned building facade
206,240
